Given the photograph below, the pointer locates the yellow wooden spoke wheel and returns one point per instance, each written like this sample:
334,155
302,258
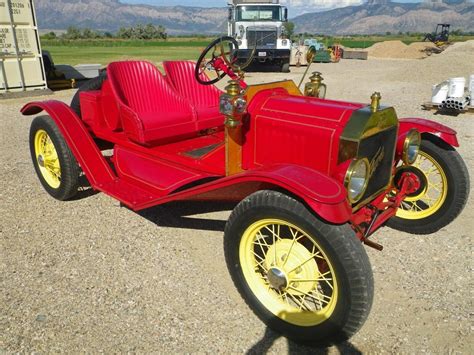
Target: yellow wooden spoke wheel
288,272
431,197
443,194
54,162
47,158
305,278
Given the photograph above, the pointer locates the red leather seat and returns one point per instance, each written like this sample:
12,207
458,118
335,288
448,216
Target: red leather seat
149,108
203,98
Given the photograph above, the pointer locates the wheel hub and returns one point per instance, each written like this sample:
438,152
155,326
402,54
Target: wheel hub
289,262
277,278
418,178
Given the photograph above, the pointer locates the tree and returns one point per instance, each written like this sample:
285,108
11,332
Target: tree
87,33
289,28
49,35
147,32
72,33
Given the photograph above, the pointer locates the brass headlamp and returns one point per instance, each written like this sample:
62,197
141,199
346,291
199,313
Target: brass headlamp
357,178
411,146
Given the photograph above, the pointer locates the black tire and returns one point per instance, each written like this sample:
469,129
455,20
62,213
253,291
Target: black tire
90,85
69,169
343,250
457,177
285,68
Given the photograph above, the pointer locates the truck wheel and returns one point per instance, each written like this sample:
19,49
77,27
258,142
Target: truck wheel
285,68
444,195
54,162
309,280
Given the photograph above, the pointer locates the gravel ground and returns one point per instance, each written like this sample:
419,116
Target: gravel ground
88,275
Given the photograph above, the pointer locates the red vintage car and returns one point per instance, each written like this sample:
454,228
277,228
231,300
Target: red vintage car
312,178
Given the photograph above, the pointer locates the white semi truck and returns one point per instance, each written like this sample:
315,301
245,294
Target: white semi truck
259,25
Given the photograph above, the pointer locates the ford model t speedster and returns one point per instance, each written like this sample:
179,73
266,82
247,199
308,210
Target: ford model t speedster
312,178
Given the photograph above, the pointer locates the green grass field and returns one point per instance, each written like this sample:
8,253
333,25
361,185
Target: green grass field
104,51
73,55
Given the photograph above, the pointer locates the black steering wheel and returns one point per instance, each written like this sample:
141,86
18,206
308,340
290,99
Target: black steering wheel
209,67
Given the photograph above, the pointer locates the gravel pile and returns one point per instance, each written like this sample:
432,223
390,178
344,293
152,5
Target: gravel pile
466,47
398,49
90,276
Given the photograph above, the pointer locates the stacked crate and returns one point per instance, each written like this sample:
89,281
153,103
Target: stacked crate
21,63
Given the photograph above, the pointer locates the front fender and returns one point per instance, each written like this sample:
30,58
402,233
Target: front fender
443,132
324,195
78,139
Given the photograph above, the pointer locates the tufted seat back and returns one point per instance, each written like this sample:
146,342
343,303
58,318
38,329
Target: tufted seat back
150,109
203,98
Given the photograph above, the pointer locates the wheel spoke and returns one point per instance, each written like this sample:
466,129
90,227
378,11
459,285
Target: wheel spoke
320,278
298,302
262,238
294,234
430,171
437,187
275,234
319,297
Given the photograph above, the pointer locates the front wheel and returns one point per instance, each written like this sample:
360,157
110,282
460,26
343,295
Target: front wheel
443,195
304,278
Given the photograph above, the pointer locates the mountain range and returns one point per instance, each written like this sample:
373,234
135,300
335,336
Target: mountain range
375,16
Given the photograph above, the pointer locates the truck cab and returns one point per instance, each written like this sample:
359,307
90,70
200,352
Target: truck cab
258,27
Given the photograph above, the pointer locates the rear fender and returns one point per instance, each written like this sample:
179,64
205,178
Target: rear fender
424,126
78,139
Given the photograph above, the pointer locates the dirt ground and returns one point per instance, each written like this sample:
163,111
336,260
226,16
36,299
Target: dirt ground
89,276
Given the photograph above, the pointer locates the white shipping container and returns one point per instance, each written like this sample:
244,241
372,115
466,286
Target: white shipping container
21,62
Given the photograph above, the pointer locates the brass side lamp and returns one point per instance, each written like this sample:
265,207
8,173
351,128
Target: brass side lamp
315,86
233,105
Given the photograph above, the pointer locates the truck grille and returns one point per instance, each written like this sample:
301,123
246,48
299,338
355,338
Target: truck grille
264,39
379,150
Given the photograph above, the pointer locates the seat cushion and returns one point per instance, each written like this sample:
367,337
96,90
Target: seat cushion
150,109
160,129
209,117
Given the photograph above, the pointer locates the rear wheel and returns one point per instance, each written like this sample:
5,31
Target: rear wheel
443,195
285,68
306,279
54,162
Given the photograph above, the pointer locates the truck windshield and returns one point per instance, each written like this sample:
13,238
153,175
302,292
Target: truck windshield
259,13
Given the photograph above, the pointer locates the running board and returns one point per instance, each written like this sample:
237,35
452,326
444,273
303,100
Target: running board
129,194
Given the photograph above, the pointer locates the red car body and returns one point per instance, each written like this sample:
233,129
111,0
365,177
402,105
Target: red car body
168,141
